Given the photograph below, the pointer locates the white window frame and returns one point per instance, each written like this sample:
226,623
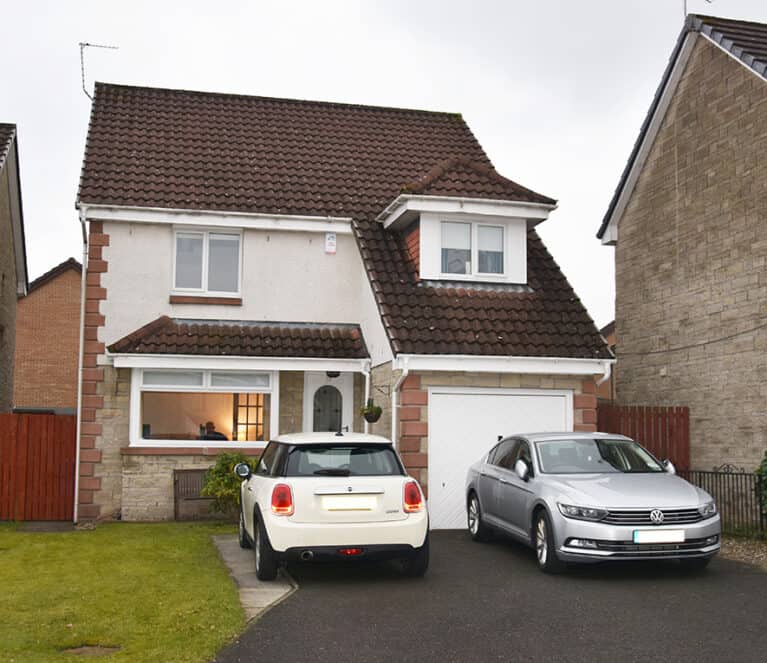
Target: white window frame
474,234
205,233
138,387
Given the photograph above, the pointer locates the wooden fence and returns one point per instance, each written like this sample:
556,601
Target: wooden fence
37,466
664,431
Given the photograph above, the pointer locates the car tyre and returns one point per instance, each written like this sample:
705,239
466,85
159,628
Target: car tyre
695,564
416,565
242,534
477,528
266,561
543,540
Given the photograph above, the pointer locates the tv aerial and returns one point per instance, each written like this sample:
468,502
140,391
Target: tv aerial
83,46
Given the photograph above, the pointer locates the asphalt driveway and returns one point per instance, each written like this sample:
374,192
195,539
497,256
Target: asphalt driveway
488,602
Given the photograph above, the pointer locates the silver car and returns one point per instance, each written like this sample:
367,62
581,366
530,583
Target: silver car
590,497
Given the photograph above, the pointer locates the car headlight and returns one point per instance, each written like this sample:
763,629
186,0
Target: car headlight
708,509
581,512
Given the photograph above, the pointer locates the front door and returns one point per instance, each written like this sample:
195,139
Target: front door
328,402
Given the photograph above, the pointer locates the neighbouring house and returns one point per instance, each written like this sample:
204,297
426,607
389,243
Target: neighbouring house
689,225
606,390
262,266
13,259
47,342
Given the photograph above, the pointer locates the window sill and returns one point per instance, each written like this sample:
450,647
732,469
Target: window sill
192,451
204,299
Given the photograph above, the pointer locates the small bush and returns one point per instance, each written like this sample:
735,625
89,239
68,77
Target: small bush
761,473
223,485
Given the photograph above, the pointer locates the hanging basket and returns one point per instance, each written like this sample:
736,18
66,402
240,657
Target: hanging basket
371,412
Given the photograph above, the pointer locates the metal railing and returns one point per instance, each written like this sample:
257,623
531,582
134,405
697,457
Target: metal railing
739,496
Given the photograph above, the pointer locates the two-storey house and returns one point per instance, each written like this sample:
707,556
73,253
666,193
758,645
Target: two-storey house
689,225
260,266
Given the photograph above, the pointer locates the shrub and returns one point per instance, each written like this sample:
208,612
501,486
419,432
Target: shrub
223,485
761,473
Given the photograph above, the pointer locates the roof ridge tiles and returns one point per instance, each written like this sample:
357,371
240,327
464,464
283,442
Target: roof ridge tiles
235,95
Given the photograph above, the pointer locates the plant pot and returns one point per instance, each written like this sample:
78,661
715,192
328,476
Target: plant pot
372,417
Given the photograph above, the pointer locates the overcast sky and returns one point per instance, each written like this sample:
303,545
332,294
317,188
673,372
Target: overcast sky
555,90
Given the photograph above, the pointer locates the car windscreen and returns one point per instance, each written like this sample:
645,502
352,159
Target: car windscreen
589,456
342,460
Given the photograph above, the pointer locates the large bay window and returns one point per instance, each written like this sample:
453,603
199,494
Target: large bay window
207,262
201,407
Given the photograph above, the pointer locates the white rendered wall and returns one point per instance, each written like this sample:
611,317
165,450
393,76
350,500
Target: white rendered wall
286,277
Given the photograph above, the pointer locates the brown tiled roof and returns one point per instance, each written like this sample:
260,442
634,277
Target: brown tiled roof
745,40
194,150
69,263
461,177
175,336
7,133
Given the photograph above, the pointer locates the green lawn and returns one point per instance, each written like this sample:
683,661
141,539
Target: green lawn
157,591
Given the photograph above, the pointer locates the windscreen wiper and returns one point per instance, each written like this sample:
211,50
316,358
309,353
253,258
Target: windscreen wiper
333,472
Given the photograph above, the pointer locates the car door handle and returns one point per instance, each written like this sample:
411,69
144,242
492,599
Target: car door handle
505,481
250,489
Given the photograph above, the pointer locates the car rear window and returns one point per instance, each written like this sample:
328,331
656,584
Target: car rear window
342,460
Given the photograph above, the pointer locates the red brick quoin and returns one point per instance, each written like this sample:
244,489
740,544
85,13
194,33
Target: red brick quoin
413,432
90,457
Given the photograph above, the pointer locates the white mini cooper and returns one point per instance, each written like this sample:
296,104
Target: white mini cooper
324,496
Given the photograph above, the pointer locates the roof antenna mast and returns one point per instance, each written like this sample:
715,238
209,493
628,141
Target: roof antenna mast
83,46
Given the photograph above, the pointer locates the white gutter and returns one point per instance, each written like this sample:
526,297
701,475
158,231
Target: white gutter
366,373
504,364
176,216
80,362
395,403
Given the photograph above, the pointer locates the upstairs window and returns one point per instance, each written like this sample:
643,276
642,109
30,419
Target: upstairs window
207,262
456,248
472,249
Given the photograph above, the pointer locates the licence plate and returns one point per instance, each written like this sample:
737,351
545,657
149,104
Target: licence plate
348,502
658,536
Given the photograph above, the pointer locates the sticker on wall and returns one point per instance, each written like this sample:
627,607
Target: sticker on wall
330,243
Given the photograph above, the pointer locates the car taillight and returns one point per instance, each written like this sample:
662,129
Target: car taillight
282,500
349,552
412,501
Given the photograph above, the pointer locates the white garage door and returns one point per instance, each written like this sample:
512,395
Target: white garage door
465,423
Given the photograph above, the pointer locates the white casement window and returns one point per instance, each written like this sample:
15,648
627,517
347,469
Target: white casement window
207,408
207,262
472,249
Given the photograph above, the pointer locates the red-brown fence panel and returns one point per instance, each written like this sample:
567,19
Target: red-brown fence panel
37,466
664,431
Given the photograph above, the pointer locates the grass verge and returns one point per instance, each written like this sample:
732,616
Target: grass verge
159,592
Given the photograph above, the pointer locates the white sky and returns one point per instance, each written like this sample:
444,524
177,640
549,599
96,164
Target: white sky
555,90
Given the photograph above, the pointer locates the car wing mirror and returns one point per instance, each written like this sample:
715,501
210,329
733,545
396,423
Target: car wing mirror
242,470
669,466
522,470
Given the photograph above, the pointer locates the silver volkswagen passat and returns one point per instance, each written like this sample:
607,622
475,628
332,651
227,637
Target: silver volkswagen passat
590,497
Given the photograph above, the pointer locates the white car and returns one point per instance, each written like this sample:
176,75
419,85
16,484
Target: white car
325,496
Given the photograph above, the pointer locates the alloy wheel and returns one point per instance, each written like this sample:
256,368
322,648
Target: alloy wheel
541,541
473,515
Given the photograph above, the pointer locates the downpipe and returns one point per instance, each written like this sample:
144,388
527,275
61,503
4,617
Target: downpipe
395,405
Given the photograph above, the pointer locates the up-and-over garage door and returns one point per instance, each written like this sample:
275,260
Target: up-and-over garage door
465,423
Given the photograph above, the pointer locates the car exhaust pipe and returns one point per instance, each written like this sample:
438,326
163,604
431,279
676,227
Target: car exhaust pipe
306,556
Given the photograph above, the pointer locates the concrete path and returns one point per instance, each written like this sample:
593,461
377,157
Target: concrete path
256,596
